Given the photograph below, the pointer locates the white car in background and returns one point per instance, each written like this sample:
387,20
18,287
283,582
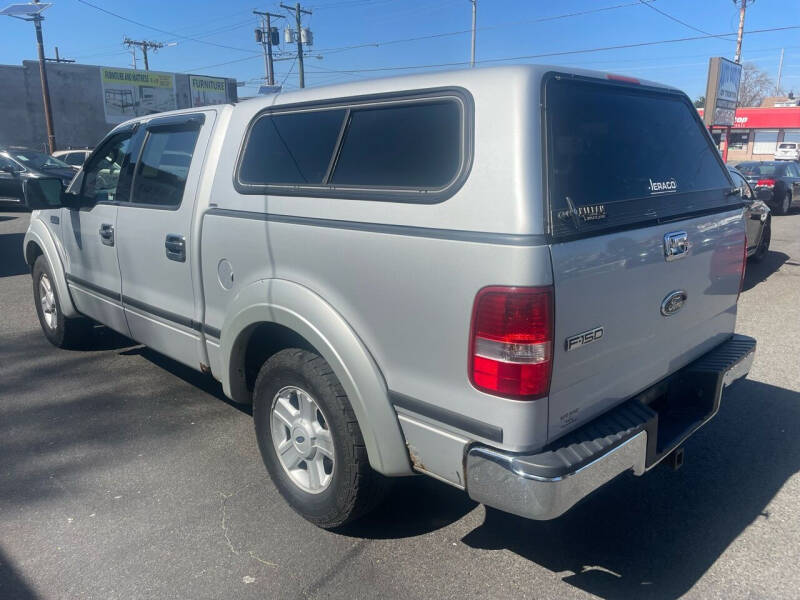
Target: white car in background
74,158
788,151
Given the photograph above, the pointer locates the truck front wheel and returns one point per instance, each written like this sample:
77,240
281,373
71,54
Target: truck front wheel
58,329
310,440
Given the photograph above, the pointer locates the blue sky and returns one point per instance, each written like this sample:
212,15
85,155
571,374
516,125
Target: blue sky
222,32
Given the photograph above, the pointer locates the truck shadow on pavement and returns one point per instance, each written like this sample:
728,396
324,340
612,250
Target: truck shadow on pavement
758,272
11,260
11,583
655,536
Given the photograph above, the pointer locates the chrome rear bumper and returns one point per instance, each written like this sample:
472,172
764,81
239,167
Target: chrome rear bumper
544,486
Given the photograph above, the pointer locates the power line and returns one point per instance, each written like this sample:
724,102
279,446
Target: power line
485,28
563,52
169,33
684,23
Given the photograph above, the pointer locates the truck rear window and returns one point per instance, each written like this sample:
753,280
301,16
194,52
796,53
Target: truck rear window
620,154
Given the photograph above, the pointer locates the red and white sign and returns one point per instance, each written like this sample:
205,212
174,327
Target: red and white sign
766,118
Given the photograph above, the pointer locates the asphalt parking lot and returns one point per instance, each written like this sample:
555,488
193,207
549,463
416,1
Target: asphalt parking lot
126,475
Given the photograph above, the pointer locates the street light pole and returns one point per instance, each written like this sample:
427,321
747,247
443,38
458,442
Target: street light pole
474,22
48,112
740,33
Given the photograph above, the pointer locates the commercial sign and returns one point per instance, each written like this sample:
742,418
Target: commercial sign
208,90
765,118
722,91
129,93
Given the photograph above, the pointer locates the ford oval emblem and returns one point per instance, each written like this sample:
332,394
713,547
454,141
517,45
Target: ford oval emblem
673,302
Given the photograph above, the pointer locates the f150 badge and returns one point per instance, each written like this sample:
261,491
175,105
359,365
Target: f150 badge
581,339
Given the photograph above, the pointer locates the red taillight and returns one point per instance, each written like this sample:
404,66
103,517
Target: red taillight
766,183
626,79
511,344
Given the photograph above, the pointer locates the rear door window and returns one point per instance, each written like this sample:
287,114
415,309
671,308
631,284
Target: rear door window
164,166
620,155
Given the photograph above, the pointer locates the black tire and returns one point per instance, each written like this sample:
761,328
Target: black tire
763,243
61,331
785,205
353,488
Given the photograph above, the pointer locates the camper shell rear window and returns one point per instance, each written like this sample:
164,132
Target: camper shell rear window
621,154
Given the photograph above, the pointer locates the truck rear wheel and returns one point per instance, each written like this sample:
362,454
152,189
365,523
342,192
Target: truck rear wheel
310,440
58,329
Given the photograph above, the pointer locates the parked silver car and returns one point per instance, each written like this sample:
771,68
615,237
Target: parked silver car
520,281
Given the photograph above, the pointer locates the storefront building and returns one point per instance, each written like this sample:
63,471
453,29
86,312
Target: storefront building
756,132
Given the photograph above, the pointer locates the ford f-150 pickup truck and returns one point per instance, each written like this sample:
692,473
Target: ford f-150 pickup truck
521,281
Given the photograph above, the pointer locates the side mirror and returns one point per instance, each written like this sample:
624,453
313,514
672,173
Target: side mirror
42,193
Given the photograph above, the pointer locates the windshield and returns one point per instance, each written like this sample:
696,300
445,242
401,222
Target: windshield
39,160
761,169
788,146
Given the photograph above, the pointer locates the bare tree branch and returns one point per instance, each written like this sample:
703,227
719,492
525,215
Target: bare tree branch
755,85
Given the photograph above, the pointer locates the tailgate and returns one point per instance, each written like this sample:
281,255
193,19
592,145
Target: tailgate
647,241
619,282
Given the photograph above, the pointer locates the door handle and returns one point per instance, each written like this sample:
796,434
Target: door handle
175,246
107,234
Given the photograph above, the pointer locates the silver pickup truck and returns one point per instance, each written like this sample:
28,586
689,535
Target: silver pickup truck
521,281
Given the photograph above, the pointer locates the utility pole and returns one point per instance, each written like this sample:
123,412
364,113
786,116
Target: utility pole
266,42
742,9
474,22
298,11
58,59
144,46
780,71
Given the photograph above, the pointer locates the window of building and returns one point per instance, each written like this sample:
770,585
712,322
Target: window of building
765,141
164,166
738,140
791,135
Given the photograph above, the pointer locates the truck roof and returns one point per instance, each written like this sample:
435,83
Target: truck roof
493,78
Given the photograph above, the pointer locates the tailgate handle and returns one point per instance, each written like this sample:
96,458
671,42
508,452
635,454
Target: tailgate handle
676,245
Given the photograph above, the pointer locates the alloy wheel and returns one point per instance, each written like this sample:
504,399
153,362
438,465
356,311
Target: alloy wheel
302,439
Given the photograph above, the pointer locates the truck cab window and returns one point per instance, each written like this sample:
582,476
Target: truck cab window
102,175
163,167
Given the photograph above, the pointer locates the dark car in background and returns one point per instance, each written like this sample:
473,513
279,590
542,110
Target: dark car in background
18,165
775,182
758,222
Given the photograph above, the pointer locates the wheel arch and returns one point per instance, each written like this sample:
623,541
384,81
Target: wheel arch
298,316
38,241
